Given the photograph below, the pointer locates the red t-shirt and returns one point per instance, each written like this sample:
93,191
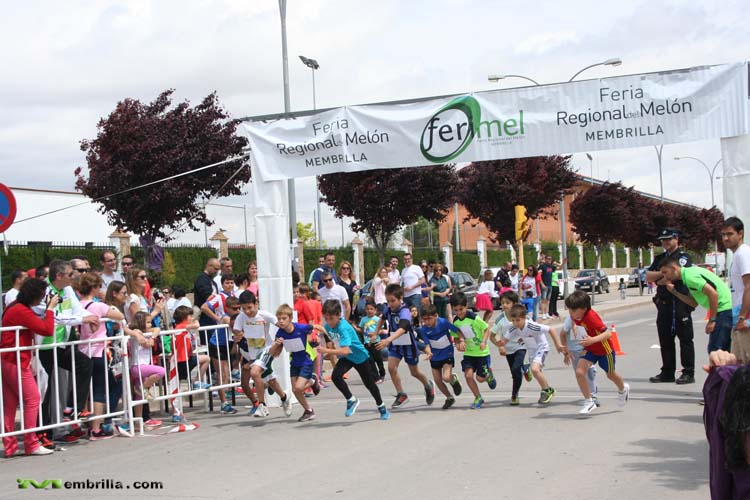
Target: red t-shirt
182,343
594,325
20,315
317,311
304,314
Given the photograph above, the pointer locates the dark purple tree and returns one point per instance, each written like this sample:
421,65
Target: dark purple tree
140,143
490,189
383,201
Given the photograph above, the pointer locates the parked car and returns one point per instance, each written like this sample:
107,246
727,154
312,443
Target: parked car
591,280
463,282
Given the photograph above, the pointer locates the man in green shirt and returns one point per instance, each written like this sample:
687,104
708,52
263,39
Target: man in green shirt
708,290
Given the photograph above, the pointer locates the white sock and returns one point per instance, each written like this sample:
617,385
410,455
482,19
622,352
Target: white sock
352,399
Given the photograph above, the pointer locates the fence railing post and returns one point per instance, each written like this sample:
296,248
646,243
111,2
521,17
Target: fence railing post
359,260
482,252
448,256
220,242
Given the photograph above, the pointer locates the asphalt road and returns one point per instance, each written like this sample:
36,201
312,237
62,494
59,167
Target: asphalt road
653,448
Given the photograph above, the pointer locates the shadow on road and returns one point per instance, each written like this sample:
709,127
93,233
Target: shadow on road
676,465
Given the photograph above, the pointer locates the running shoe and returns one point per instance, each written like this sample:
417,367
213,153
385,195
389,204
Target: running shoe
351,407
588,406
515,401
100,434
478,402
84,415
287,405
73,435
456,385
67,414
623,395
178,419
228,409
429,392
384,413
448,403
123,430
46,442
236,375
401,400
309,392
491,381
200,385
262,411
307,415
315,385
40,450
253,409
527,373
547,395
152,424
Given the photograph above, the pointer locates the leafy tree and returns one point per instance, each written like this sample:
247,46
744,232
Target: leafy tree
306,235
140,143
490,189
699,227
604,214
425,233
384,200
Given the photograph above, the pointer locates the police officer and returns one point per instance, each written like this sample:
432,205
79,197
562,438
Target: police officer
673,316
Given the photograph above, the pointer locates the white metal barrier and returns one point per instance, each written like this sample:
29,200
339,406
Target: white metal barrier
71,395
174,392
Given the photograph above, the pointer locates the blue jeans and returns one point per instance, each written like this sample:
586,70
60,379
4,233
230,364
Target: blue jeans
414,300
721,338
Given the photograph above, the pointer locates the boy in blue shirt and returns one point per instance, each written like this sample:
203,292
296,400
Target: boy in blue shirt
351,354
294,337
367,327
402,344
436,333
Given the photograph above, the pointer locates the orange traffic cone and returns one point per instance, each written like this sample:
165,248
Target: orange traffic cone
616,341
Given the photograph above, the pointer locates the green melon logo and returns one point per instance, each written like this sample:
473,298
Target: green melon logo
450,131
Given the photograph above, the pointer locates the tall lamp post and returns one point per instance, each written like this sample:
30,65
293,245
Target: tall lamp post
292,193
711,176
313,65
563,225
591,164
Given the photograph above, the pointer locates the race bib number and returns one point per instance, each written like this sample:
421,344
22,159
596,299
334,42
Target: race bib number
294,345
404,339
467,331
440,343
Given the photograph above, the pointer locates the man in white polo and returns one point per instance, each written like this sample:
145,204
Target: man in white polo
331,291
733,234
412,279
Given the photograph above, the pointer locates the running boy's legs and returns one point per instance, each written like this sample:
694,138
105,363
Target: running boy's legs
590,373
245,377
342,367
393,363
299,385
515,363
442,376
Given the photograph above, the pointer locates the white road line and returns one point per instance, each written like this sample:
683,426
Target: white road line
635,322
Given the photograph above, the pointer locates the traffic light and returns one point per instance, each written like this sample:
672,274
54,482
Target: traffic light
522,223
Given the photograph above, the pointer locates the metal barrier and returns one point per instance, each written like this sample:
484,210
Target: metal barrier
69,348
173,391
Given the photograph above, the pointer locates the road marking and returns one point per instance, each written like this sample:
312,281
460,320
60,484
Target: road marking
634,322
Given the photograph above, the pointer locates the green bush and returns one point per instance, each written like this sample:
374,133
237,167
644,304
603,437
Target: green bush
496,258
621,256
467,262
573,257
551,248
530,255
241,257
589,257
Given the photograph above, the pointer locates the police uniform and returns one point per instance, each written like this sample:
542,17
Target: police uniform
673,320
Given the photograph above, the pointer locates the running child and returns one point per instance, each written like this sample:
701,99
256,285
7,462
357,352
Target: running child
261,371
183,345
436,333
473,335
597,350
220,348
514,351
570,338
485,294
368,328
402,344
295,338
251,332
533,334
351,354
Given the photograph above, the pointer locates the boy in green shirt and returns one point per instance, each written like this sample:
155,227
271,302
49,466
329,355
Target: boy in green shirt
474,334
708,290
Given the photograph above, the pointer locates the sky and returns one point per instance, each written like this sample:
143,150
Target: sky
67,64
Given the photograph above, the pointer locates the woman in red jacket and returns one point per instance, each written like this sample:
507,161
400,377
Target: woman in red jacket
19,314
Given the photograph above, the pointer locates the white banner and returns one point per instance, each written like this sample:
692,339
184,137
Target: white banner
610,113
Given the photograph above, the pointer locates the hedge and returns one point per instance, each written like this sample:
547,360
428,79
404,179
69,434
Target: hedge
467,262
622,258
498,258
573,257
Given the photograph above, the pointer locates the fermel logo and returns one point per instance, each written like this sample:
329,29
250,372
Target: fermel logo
450,131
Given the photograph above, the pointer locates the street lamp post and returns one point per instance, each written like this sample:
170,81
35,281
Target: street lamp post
661,182
313,65
591,164
563,225
711,176
287,107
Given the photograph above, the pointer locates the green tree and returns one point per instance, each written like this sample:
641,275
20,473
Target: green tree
306,235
